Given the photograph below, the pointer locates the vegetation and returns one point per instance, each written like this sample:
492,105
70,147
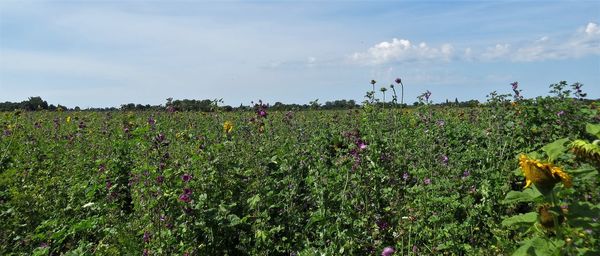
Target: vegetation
361,180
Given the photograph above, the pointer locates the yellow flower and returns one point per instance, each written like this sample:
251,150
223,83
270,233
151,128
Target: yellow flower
68,119
228,126
543,175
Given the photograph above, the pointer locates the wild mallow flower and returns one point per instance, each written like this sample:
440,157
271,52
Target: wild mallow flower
388,251
146,236
185,198
405,176
151,121
186,177
560,113
361,144
466,174
427,181
444,159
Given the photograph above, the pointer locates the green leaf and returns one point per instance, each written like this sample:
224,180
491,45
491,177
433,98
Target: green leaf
539,246
526,218
253,201
586,172
555,149
527,195
593,129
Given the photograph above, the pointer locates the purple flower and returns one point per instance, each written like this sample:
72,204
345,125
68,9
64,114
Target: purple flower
440,123
427,181
515,85
186,177
151,121
387,251
108,185
187,191
102,168
382,224
361,144
145,252
146,236
444,159
560,113
185,198
160,179
262,113
414,249
466,174
405,176
398,80
44,245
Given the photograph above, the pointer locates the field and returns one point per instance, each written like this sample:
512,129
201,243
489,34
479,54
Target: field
423,180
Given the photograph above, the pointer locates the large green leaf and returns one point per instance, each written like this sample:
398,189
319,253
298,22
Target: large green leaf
539,246
526,218
555,149
593,129
527,195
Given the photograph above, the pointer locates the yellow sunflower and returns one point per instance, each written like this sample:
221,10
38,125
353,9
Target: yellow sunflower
228,127
543,175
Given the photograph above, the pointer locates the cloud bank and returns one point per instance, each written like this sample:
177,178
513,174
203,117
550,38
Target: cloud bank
583,42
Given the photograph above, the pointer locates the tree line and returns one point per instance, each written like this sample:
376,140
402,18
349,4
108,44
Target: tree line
37,103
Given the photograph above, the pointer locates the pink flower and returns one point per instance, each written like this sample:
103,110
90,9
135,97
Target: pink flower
388,251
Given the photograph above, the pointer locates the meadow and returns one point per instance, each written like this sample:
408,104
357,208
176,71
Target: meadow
377,180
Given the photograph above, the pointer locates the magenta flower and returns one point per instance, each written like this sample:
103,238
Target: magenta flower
560,113
160,179
387,251
398,80
186,177
185,198
361,144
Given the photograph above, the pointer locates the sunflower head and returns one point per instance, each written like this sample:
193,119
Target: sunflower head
547,216
543,175
228,127
586,150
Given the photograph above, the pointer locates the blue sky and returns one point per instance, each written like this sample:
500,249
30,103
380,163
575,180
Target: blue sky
106,53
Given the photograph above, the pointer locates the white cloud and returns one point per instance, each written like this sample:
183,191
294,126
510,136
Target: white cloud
585,42
402,50
497,52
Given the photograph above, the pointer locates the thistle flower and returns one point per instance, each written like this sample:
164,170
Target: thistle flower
543,175
228,127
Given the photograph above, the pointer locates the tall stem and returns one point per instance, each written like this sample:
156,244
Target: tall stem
402,99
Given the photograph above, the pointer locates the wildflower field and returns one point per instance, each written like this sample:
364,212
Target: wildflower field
511,176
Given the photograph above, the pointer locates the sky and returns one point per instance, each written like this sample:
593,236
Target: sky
108,53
